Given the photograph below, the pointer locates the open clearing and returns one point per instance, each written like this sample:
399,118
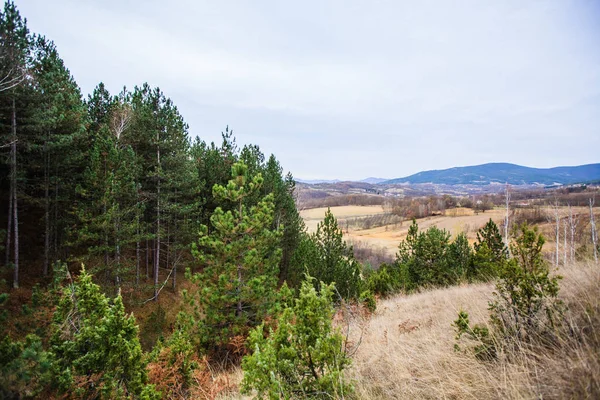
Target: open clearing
388,237
313,216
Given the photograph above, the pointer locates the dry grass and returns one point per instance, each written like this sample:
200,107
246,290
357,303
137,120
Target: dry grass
388,237
408,351
313,216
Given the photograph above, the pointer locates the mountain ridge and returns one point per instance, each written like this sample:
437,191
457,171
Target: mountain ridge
500,173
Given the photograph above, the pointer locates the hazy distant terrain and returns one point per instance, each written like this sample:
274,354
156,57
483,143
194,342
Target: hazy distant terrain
499,173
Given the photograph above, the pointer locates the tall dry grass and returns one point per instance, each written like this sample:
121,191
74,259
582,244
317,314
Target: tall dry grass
407,352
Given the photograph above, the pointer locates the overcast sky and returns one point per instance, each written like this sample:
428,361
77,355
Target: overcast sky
350,89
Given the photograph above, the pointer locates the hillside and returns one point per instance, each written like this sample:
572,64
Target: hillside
513,174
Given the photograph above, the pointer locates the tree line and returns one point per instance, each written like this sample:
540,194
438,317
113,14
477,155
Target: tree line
113,180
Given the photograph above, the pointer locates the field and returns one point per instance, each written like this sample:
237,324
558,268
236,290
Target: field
407,349
388,237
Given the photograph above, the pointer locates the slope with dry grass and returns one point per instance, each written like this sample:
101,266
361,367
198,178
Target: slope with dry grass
408,349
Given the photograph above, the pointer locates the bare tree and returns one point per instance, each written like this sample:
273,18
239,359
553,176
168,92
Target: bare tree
565,242
554,217
593,227
506,220
13,77
557,231
572,228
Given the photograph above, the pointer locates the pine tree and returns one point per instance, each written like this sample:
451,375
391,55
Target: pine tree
303,357
58,125
95,345
240,259
490,252
15,43
334,262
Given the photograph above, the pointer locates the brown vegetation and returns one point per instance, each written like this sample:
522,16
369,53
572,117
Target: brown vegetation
408,350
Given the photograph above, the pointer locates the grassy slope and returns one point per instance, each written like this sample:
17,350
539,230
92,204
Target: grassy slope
407,351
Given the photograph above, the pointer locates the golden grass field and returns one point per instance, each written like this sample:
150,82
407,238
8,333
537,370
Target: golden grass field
388,237
407,351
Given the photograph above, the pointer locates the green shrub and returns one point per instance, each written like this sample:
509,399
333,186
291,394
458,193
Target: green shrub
526,303
304,356
367,298
484,347
95,345
24,367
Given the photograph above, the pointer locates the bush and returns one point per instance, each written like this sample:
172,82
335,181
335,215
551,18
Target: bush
304,356
95,345
485,347
24,368
490,253
526,303
525,308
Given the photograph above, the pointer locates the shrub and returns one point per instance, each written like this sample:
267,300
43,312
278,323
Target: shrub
304,356
95,345
484,347
24,368
368,299
526,301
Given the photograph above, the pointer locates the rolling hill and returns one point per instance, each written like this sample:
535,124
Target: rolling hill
513,174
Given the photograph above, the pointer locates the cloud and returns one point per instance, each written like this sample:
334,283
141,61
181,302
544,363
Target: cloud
347,89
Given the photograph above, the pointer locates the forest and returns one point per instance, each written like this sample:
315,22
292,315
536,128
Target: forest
141,262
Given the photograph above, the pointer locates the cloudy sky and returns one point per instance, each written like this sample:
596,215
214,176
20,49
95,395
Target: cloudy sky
348,89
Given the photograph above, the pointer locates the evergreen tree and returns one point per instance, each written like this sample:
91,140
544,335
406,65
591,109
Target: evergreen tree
240,259
334,260
304,356
95,345
459,256
15,43
490,252
58,123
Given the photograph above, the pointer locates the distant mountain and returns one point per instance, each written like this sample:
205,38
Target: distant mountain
486,174
373,181
315,181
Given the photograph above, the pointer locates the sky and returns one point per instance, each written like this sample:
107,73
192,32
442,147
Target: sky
346,89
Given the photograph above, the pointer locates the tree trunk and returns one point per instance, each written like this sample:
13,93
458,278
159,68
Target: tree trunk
557,238
175,270
10,217
506,220
565,242
572,227
593,227
147,259
55,237
137,252
157,260
46,209
14,195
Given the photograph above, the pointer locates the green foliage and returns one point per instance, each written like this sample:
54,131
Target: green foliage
304,356
24,367
525,307
368,299
490,253
484,347
240,259
459,255
430,258
326,256
95,344
526,303
388,279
